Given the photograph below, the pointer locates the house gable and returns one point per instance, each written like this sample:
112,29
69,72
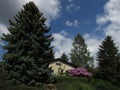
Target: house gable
58,64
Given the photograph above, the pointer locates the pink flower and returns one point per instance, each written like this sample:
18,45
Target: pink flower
79,72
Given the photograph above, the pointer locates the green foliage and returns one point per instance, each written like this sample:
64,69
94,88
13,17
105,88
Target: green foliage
2,75
21,87
60,71
29,47
68,83
108,61
80,56
71,83
64,57
100,84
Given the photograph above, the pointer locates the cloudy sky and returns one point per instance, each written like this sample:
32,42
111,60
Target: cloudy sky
93,19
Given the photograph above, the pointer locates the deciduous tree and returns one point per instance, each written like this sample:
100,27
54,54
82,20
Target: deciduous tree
80,55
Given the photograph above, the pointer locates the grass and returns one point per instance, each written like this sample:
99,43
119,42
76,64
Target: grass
69,83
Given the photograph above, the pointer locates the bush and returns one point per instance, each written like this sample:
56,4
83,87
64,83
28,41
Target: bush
79,72
72,83
68,83
82,83
113,78
100,84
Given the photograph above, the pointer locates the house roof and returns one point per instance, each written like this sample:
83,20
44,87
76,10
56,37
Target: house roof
63,61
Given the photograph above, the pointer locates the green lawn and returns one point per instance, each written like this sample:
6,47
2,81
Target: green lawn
70,83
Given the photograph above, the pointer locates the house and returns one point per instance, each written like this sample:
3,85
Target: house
60,66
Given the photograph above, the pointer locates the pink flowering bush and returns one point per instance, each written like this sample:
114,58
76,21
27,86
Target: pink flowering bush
79,72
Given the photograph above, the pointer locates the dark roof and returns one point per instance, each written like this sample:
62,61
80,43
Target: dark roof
63,61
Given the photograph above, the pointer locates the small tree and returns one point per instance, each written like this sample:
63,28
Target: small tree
80,56
64,57
108,61
28,49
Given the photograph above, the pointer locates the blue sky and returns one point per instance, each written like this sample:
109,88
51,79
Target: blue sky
84,11
93,19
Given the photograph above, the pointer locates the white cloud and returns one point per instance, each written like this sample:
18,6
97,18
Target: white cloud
50,8
72,7
111,12
1,43
78,7
75,23
68,7
4,30
70,0
62,44
68,23
86,21
114,31
93,43
110,20
64,33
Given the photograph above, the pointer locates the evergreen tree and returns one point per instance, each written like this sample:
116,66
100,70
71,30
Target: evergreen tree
80,56
64,57
2,75
108,61
28,49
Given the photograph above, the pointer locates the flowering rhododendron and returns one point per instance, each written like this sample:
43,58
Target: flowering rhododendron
79,72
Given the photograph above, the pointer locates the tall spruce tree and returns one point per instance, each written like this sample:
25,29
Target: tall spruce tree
108,61
64,57
80,56
2,75
28,49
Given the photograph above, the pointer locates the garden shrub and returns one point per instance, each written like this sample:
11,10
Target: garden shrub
83,83
2,75
79,72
